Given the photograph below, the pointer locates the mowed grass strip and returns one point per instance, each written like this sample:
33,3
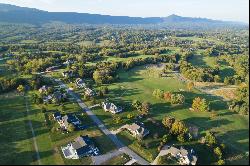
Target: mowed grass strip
15,136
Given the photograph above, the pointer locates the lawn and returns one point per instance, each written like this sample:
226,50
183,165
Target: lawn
231,129
53,140
117,160
207,61
15,136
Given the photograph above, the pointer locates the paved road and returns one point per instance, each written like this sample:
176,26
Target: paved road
99,123
98,160
33,134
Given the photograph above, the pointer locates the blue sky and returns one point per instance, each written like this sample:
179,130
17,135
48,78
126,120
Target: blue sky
234,10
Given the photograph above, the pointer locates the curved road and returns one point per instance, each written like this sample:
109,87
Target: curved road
103,128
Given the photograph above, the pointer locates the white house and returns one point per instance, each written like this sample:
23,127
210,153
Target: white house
137,131
111,107
184,156
69,73
43,89
80,147
89,92
79,83
68,62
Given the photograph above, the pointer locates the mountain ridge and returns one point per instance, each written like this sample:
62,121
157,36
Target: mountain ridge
16,14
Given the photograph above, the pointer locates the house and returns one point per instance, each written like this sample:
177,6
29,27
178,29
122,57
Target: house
82,146
55,97
50,69
69,73
68,119
79,83
43,89
68,62
59,96
47,99
110,107
137,131
10,54
184,157
57,116
89,92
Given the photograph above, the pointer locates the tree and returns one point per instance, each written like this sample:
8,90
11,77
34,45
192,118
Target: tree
217,78
190,85
178,127
145,108
130,116
117,119
177,99
20,89
137,105
168,122
71,128
103,76
158,93
166,138
221,162
210,139
167,96
181,138
218,152
200,104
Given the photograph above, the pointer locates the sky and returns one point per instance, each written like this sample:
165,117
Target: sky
229,10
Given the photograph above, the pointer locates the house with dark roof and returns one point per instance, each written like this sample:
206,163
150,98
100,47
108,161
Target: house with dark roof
137,130
69,73
111,107
57,116
82,146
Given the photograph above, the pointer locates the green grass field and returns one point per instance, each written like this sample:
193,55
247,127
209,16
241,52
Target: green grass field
231,129
206,61
15,136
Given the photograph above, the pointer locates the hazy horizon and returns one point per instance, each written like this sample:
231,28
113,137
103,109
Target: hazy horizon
227,10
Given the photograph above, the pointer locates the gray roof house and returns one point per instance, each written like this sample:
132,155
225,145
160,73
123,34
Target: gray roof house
185,157
43,89
79,83
68,119
111,107
137,131
89,92
49,69
80,147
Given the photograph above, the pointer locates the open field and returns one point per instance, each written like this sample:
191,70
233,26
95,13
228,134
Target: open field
15,136
231,128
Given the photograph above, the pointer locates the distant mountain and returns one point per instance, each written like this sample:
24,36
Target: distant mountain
15,14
